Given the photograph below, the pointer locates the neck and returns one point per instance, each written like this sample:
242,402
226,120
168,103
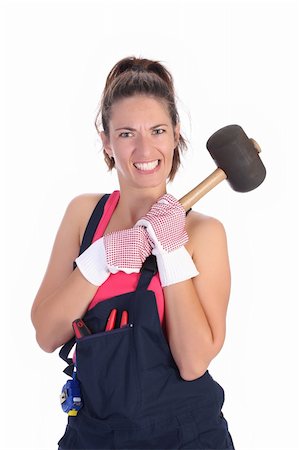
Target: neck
135,203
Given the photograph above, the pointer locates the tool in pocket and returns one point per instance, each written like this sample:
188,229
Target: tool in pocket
80,329
112,320
124,319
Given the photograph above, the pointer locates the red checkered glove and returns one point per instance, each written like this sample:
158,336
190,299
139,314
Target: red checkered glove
165,224
124,250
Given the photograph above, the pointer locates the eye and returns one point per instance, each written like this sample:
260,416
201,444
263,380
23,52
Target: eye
125,134
159,131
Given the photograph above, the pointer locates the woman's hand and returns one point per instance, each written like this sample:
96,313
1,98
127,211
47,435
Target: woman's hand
165,225
124,250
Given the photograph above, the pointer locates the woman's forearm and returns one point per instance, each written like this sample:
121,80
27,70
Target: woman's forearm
189,333
53,316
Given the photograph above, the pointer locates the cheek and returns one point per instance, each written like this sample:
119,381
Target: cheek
166,144
118,150
169,152
121,155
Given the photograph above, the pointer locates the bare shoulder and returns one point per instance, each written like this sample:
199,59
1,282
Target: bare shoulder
67,243
204,230
197,218
80,209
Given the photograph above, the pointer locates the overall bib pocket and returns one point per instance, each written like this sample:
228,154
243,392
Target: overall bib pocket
106,362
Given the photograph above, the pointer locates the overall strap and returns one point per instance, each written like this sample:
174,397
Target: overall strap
64,354
92,225
148,270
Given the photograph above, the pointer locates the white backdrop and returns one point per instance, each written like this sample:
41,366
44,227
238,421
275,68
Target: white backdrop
232,62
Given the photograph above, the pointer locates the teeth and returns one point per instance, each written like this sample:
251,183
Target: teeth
147,166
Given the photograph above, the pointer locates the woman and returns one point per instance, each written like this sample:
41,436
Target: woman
144,385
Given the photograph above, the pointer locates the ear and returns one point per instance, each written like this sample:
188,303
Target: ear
106,143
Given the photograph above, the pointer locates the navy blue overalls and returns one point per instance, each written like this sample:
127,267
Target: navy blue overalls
134,397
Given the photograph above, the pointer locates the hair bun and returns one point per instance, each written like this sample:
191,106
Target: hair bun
139,65
137,68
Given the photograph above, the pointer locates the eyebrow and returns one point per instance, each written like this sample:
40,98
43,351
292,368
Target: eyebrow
133,129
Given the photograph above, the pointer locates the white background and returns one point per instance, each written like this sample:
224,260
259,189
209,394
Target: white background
232,62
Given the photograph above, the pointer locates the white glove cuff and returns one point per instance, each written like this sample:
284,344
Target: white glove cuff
175,266
92,263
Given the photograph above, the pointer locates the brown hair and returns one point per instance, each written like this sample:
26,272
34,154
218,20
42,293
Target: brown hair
131,76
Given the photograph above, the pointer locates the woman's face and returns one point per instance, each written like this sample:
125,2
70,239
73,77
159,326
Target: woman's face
142,141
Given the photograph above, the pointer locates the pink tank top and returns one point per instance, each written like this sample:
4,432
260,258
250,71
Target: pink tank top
121,282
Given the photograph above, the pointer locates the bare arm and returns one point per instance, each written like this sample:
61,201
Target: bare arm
196,309
64,294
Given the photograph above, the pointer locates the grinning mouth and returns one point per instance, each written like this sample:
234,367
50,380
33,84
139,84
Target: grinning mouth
147,165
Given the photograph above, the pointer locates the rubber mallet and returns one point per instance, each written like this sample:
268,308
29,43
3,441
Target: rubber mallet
237,159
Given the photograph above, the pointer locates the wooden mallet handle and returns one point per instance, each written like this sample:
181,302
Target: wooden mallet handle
202,189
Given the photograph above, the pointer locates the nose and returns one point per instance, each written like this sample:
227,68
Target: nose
144,146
